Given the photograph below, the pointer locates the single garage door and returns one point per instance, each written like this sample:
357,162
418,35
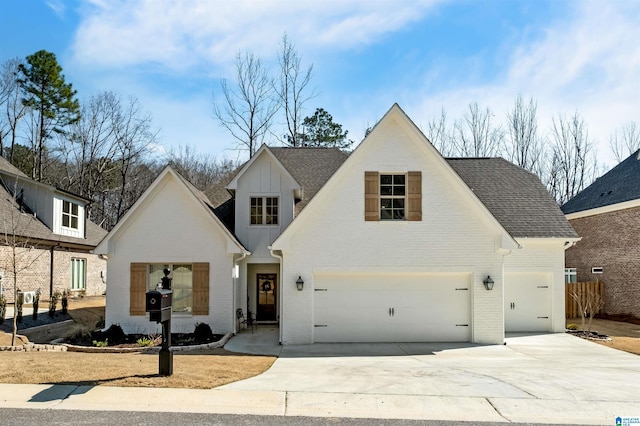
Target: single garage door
392,308
527,298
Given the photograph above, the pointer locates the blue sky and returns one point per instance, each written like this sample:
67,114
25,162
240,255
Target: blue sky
426,55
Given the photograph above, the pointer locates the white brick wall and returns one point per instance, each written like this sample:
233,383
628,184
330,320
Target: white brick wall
454,234
170,226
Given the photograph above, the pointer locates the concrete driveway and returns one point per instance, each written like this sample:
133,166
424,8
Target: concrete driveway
552,378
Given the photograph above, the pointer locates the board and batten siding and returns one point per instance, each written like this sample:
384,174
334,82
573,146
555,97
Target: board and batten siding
265,178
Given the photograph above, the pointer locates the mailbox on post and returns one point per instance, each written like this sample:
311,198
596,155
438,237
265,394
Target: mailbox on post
159,305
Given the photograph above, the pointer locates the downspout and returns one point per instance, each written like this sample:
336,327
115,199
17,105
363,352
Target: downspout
280,293
235,288
51,273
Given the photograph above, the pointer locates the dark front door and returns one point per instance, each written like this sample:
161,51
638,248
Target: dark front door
267,296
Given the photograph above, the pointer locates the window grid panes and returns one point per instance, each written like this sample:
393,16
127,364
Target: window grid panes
271,213
69,215
392,197
181,284
570,275
256,210
78,274
264,211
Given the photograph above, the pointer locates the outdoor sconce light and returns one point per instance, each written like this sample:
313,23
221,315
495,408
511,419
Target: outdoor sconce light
488,283
299,283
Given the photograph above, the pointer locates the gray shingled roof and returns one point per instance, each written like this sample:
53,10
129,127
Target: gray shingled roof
620,184
28,227
310,167
515,197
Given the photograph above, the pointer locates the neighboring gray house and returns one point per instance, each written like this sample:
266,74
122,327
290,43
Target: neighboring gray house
53,239
390,243
606,214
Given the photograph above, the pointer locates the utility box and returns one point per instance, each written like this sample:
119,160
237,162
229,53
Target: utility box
159,304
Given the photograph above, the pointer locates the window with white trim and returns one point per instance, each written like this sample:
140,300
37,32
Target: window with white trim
78,274
392,196
181,283
70,215
264,211
570,275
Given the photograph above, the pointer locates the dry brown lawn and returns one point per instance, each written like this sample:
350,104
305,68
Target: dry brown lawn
624,336
195,370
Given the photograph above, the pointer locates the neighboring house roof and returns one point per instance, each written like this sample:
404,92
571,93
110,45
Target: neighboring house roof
29,227
514,196
618,185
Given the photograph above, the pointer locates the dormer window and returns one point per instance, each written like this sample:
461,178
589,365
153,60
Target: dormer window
70,217
264,210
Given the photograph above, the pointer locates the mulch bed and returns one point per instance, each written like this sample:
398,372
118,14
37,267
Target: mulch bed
590,335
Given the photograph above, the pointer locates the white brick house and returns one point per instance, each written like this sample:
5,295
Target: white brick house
393,243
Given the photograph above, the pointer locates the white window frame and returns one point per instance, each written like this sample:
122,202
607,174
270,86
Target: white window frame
78,278
70,216
264,216
597,270
570,275
392,196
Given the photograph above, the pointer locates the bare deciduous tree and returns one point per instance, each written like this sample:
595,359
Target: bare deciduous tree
12,109
589,303
523,146
203,171
625,141
246,111
440,136
573,162
292,90
475,135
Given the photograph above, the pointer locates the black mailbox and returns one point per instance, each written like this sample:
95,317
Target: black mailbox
159,305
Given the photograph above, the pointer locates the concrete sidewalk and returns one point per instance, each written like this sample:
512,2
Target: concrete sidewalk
546,379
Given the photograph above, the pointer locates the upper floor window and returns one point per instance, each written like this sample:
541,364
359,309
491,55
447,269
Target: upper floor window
392,193
393,196
70,217
264,210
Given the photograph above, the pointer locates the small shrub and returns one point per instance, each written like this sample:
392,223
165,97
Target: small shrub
203,332
3,308
572,327
145,341
65,301
101,343
115,334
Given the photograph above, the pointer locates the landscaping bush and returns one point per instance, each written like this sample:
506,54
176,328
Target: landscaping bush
203,332
114,334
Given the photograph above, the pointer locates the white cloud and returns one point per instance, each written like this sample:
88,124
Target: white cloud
181,33
587,63
57,6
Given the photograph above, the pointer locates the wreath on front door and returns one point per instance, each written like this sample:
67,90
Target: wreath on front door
266,286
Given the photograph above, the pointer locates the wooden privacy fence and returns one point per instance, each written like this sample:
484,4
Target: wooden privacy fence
583,290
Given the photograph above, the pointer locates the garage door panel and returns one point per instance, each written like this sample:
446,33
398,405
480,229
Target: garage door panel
527,299
392,308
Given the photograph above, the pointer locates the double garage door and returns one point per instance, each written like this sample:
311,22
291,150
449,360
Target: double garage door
392,308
